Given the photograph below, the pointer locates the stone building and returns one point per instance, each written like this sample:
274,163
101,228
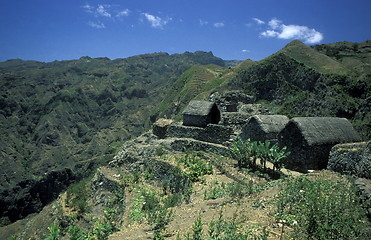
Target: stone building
310,139
201,113
264,127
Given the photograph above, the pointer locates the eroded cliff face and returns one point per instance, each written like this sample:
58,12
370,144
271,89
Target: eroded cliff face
30,196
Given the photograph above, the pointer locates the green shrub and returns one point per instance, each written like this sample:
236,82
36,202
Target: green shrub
75,233
77,195
195,167
248,152
105,226
150,206
237,190
223,229
234,190
217,190
320,209
54,231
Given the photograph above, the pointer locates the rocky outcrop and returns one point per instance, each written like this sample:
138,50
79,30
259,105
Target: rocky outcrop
104,185
159,128
184,144
230,101
352,159
31,196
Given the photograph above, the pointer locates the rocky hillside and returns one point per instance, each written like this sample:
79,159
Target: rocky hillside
299,80
61,120
176,187
64,118
324,80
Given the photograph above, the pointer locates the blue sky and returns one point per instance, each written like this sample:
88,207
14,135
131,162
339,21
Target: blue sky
48,30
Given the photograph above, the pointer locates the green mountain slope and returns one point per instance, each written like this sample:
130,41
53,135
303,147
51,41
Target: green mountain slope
73,114
302,81
312,58
196,83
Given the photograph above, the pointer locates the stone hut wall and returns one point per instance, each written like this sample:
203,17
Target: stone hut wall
264,127
201,113
310,139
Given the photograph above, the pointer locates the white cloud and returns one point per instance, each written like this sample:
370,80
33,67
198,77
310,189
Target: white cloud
156,22
123,13
258,21
203,23
102,11
99,11
269,33
282,31
245,51
96,25
275,23
219,24
88,8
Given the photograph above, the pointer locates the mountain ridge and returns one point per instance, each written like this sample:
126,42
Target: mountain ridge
77,113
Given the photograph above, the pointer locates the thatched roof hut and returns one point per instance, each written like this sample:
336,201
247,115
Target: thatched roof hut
264,127
201,113
309,139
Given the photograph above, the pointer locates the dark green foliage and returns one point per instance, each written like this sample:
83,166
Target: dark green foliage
248,152
321,209
302,81
74,114
77,196
197,229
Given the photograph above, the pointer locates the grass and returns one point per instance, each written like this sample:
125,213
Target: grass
195,167
321,209
225,228
306,207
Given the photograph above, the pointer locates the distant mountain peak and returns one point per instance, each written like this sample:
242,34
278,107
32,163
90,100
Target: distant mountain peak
312,58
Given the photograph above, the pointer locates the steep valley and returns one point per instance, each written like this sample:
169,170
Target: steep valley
63,120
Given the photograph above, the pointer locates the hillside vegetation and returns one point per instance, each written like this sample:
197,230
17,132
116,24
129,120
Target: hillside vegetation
60,121
304,81
74,115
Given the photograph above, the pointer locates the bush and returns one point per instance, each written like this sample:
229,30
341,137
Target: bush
149,205
195,167
248,152
223,229
320,209
77,195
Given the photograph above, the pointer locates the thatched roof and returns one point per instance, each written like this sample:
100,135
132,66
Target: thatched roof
269,123
201,113
322,130
198,108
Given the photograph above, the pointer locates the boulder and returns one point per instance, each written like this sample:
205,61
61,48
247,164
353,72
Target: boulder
160,127
351,158
254,109
230,101
310,139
